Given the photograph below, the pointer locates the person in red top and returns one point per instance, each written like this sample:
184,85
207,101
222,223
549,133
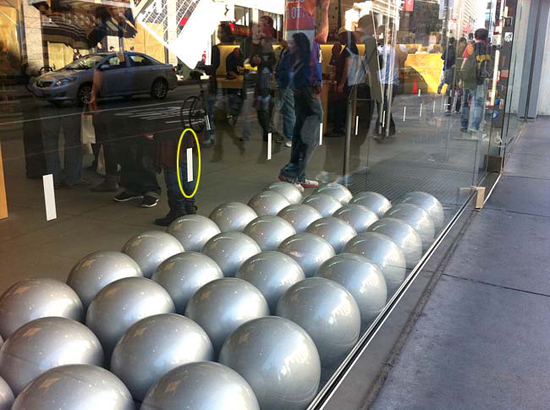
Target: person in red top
473,75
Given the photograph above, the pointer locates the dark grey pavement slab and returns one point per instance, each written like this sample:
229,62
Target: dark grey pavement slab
506,249
475,346
523,195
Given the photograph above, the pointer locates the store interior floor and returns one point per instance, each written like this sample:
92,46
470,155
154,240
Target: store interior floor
428,153
481,341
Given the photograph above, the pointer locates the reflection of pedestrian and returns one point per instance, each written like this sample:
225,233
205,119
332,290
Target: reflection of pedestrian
55,119
265,61
474,72
232,64
285,95
449,72
393,56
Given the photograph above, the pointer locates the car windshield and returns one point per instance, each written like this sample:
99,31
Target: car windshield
85,63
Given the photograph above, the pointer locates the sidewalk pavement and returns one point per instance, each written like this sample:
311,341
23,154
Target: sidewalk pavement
482,340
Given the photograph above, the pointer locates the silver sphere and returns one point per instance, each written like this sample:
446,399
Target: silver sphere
121,304
230,249
221,306
429,203
309,250
279,361
268,203
154,346
269,231
327,312
233,216
96,270
185,273
44,344
334,231
150,249
75,387
193,231
376,202
272,273
288,190
325,204
300,216
361,278
32,299
6,395
337,191
384,253
416,217
201,386
358,216
403,235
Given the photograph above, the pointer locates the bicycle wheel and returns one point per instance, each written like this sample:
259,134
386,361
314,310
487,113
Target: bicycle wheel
192,114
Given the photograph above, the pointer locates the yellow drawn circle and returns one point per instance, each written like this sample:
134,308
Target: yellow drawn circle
178,163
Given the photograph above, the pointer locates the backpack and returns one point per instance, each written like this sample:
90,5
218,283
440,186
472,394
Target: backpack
476,67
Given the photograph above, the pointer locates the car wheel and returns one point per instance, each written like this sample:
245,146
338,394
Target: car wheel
159,90
84,95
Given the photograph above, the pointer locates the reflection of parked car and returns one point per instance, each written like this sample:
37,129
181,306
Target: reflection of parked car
123,74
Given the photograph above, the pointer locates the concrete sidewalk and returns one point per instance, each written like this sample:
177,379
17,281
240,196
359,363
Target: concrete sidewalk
483,338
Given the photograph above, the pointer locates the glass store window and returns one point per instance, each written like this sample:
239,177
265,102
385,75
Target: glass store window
242,187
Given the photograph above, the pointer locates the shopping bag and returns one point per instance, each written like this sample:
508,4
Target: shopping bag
87,130
100,169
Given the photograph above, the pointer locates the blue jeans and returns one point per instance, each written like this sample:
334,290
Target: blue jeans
309,115
176,200
53,119
475,98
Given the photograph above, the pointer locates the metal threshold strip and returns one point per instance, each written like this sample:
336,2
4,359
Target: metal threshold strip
342,371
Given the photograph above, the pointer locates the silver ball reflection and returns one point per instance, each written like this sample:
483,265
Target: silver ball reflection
300,216
269,231
193,231
272,273
268,203
309,250
404,236
233,216
201,386
150,249
288,190
75,387
384,253
121,304
325,204
185,273
96,270
334,231
154,346
358,216
6,395
44,344
279,361
327,312
416,217
337,191
429,203
361,278
221,306
376,202
230,249
32,299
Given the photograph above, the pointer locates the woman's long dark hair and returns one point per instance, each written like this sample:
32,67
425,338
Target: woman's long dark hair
303,48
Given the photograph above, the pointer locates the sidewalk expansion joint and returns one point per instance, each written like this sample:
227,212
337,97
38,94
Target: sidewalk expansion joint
514,212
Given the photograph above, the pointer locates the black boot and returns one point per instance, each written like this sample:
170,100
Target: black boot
170,217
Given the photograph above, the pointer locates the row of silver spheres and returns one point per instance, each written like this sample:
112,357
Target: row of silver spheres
242,310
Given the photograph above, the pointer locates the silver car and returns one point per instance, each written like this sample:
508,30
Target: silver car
120,75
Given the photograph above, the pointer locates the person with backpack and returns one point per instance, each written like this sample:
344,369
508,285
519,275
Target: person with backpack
474,72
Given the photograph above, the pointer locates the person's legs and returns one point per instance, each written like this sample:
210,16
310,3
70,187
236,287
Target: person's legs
73,149
479,107
50,127
210,128
288,112
263,101
309,133
465,114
